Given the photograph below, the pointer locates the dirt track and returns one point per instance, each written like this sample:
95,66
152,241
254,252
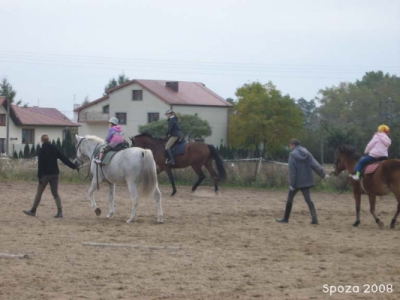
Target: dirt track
222,247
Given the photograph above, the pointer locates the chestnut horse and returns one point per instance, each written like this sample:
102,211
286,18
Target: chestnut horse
196,155
384,180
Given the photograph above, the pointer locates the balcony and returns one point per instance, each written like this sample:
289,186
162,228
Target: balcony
93,117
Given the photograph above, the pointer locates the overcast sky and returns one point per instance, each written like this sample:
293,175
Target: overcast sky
55,52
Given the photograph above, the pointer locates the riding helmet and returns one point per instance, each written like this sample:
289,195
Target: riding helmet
113,120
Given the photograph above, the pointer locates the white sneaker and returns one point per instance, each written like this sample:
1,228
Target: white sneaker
355,177
97,160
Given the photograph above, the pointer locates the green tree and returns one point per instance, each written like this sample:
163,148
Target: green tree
263,118
33,152
26,151
193,127
37,148
7,91
359,108
116,82
85,101
15,154
58,144
20,155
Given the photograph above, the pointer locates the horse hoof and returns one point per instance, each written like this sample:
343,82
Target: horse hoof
160,220
356,223
97,211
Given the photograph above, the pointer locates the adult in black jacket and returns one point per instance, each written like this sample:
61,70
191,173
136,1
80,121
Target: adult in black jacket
48,172
174,133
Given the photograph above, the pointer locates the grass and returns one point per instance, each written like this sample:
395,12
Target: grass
240,174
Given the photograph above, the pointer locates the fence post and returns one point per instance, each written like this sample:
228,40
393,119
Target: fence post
258,167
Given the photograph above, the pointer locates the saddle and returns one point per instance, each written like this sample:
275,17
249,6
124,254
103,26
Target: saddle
371,167
109,155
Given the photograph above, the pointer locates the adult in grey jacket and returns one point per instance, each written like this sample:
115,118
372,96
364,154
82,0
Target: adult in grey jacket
301,166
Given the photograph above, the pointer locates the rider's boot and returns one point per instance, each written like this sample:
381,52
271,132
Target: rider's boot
170,158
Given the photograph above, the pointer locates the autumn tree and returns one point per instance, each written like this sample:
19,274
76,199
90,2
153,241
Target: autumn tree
264,118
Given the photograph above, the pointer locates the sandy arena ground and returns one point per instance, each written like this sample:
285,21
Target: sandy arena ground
218,247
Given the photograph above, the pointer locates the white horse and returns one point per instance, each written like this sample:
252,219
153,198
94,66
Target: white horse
135,166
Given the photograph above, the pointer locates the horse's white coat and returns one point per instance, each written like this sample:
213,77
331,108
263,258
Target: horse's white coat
135,166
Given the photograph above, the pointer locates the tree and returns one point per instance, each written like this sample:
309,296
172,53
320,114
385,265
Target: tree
263,118
357,109
7,91
116,82
193,127
26,151
33,152
85,101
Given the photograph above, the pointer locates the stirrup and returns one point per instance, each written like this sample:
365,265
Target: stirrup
355,177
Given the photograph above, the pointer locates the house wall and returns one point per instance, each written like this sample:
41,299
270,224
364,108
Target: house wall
120,101
16,134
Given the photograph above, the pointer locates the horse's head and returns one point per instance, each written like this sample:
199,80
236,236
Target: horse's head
85,147
339,165
145,140
345,157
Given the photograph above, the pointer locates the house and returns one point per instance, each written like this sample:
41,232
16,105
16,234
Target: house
27,124
138,102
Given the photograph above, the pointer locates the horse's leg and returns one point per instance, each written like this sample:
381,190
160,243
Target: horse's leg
171,179
134,198
157,197
393,223
201,175
357,198
92,188
213,174
372,201
111,195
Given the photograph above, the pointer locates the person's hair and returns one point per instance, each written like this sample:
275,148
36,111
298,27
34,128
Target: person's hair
45,138
295,142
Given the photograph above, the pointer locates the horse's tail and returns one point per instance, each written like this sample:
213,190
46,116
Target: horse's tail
219,163
148,181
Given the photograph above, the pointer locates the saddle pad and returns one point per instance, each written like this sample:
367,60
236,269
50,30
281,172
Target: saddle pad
371,168
107,158
179,149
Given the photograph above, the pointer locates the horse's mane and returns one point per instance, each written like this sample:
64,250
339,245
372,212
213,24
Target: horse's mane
146,134
94,138
350,150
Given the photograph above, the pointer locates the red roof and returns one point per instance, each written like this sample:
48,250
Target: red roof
41,116
189,93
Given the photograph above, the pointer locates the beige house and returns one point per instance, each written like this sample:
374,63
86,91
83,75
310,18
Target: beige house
27,124
138,102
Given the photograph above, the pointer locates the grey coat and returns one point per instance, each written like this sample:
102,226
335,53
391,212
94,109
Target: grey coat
301,165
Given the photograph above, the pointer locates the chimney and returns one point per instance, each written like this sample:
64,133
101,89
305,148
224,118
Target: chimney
173,85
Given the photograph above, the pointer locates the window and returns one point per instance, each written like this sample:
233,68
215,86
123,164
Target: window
106,109
2,119
137,95
28,136
153,117
121,118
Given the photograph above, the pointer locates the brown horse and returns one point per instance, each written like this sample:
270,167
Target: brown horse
384,180
196,155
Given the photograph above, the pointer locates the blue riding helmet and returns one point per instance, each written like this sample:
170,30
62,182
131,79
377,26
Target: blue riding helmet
113,120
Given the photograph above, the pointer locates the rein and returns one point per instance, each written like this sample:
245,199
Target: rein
91,159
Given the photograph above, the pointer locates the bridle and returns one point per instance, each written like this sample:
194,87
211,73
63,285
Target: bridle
91,158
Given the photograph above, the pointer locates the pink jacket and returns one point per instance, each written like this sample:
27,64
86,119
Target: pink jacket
379,145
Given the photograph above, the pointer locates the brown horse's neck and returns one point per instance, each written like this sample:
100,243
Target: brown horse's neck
350,164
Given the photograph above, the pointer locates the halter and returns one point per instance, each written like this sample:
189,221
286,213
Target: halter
77,148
